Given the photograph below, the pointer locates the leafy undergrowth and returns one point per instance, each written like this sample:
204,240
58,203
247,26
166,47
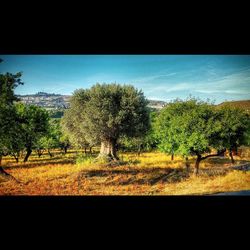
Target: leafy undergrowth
148,174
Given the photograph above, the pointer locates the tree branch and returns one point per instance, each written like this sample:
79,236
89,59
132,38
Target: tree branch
212,155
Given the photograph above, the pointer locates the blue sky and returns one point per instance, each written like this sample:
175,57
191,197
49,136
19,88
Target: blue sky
161,77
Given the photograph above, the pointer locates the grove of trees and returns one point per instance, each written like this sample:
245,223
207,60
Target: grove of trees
114,117
24,128
196,128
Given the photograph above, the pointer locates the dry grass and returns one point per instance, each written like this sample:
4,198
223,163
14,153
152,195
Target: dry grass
148,174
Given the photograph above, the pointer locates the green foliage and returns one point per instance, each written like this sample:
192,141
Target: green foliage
56,113
64,142
235,124
9,128
247,134
8,82
73,132
105,112
147,141
34,123
195,127
85,159
54,137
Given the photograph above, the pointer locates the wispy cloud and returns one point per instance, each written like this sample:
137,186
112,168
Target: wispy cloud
167,88
234,83
152,78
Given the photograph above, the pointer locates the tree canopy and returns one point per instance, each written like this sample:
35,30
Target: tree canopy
34,123
8,116
235,128
8,82
105,112
194,127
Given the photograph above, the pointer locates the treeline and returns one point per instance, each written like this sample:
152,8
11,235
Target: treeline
116,117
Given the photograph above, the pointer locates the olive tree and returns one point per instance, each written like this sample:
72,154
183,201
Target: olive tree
105,112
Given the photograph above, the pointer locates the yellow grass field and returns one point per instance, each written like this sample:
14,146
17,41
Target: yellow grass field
150,173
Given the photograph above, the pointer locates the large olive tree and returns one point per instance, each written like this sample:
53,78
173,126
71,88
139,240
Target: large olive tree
105,112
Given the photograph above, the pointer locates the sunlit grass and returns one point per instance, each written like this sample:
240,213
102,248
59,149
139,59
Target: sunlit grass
233,181
147,174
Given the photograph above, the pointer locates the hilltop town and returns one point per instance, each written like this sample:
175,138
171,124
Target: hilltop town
57,101
46,100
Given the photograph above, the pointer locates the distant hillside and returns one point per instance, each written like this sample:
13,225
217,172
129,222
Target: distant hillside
61,102
245,104
155,104
57,101
46,100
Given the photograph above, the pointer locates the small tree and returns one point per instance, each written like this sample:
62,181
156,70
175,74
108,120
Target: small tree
55,138
35,124
192,128
106,112
15,143
64,143
166,128
8,117
235,128
39,146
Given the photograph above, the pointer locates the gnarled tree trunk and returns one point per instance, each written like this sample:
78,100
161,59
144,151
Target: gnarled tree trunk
108,149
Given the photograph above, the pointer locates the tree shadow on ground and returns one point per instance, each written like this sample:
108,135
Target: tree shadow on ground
210,172
29,165
149,176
